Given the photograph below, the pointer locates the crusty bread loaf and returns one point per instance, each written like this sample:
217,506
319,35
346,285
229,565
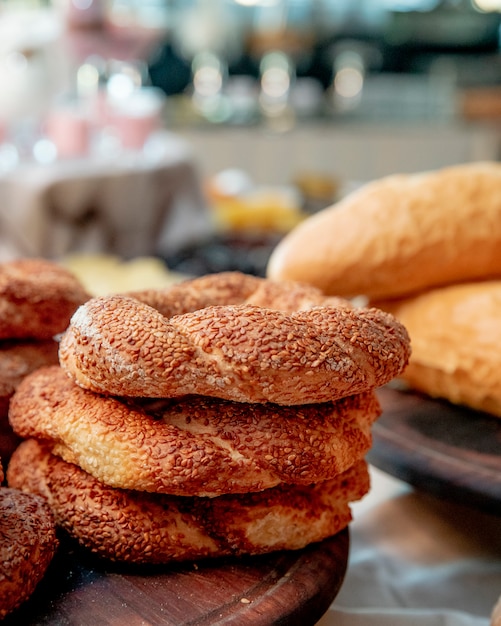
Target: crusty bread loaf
456,334
400,234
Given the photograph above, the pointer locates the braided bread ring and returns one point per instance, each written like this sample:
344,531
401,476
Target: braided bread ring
28,543
37,299
153,528
195,446
120,346
226,288
19,358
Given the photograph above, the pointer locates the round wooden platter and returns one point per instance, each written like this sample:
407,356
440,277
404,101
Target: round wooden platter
283,588
447,450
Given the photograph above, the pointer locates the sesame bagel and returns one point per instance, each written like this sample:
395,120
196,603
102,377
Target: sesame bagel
27,545
225,288
117,345
194,446
17,359
37,298
151,528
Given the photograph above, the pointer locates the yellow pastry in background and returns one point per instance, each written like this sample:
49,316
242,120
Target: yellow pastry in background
104,274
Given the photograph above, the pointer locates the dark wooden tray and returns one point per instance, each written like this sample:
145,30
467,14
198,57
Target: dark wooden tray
447,450
284,588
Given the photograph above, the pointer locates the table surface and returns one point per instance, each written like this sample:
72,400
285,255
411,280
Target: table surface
442,448
289,587
418,560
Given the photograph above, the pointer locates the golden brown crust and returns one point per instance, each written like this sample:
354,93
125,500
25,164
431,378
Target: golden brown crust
233,288
37,299
27,544
17,359
20,358
456,333
195,446
152,528
117,345
399,235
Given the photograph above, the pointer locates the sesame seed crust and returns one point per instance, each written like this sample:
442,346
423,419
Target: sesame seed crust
19,358
37,298
196,445
27,545
139,527
225,288
246,352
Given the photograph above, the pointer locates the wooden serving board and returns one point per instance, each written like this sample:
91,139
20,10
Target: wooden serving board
284,588
447,450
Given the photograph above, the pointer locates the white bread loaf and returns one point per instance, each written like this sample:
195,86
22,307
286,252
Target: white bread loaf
400,234
456,334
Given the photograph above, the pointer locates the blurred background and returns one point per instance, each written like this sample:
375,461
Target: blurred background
279,107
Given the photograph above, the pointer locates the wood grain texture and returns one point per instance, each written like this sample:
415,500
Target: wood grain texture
447,450
284,588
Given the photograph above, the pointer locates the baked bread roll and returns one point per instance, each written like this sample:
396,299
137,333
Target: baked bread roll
117,345
233,288
399,235
456,334
27,545
195,445
18,359
37,298
153,528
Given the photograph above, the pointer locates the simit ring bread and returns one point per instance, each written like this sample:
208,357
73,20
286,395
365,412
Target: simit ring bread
193,446
37,299
152,528
456,333
17,360
27,545
234,288
120,346
399,235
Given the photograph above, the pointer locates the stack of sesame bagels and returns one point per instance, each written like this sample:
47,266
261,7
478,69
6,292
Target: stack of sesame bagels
37,299
224,415
427,248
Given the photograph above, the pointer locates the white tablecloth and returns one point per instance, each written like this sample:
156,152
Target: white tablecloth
130,205
418,561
